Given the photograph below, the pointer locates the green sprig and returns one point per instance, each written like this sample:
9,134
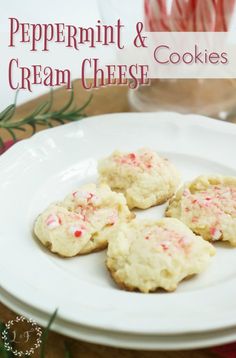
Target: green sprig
46,333
42,115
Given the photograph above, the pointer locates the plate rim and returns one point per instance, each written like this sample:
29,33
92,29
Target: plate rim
204,121
100,337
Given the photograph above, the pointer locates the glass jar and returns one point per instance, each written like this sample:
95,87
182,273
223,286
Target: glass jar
211,97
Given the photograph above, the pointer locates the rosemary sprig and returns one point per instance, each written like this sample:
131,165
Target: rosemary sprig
42,115
67,351
45,334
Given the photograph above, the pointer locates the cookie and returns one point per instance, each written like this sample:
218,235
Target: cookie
145,178
149,254
81,224
62,231
208,207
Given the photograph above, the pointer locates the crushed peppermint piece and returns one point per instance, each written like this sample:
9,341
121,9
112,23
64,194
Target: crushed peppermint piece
80,216
165,247
141,161
186,192
53,221
215,234
85,196
168,240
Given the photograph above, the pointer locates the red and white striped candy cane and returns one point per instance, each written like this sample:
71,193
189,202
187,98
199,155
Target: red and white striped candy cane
190,8
156,15
189,15
224,12
205,15
179,18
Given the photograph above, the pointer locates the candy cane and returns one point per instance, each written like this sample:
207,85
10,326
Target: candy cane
178,15
205,15
152,21
228,9
210,15
159,8
214,15
220,24
147,11
157,15
189,15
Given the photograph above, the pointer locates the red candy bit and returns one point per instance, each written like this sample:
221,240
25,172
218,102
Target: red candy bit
187,210
194,201
212,231
59,220
78,233
129,159
147,238
208,198
165,247
132,156
74,194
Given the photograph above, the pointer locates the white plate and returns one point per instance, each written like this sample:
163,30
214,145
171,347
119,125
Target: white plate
122,340
50,164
